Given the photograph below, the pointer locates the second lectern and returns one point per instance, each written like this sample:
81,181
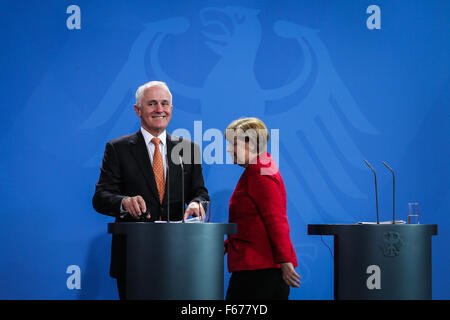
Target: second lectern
174,261
380,261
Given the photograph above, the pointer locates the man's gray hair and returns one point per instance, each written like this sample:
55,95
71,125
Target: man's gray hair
141,89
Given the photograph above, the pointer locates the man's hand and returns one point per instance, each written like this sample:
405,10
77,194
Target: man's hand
194,209
135,206
291,277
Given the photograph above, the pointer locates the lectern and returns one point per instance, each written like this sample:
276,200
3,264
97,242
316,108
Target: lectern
380,261
174,261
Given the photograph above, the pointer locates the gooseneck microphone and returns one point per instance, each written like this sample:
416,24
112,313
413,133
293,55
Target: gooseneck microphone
168,189
182,186
376,189
393,191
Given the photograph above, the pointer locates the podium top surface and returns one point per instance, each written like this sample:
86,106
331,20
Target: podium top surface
335,229
126,227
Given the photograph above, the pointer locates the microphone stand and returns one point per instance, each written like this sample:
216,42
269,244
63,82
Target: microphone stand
393,192
168,188
182,186
376,189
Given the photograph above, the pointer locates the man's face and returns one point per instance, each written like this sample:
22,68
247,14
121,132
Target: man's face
155,110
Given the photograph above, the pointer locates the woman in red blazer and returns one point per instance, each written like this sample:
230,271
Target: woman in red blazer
261,257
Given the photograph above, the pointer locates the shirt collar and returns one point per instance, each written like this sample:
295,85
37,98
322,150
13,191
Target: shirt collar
148,136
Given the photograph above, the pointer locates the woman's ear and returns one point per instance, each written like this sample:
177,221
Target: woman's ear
251,147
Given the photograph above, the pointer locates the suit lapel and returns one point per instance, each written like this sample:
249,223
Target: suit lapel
140,153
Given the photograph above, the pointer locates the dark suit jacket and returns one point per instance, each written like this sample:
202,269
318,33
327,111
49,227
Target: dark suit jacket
127,171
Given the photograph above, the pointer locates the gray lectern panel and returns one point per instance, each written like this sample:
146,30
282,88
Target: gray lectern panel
174,261
380,261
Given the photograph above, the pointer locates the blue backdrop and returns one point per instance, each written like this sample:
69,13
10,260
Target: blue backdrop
340,82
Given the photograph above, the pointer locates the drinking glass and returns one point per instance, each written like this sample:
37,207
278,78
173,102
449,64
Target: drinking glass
413,213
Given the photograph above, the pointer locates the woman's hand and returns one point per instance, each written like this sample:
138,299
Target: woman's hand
291,277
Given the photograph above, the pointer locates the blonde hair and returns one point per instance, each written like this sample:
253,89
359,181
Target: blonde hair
249,129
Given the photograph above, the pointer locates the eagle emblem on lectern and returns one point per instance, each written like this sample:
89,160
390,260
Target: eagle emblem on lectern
392,244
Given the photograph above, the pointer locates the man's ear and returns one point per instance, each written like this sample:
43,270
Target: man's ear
137,110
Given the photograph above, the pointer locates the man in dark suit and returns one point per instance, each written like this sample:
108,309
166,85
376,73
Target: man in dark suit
141,173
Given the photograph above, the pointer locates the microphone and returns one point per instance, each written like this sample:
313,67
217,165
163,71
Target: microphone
393,191
182,186
168,189
376,190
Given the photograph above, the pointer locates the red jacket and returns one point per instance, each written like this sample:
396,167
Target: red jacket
258,207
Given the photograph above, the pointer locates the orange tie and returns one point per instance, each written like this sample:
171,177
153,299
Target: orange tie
158,169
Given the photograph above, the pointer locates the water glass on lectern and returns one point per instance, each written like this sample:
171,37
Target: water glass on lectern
205,208
413,213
